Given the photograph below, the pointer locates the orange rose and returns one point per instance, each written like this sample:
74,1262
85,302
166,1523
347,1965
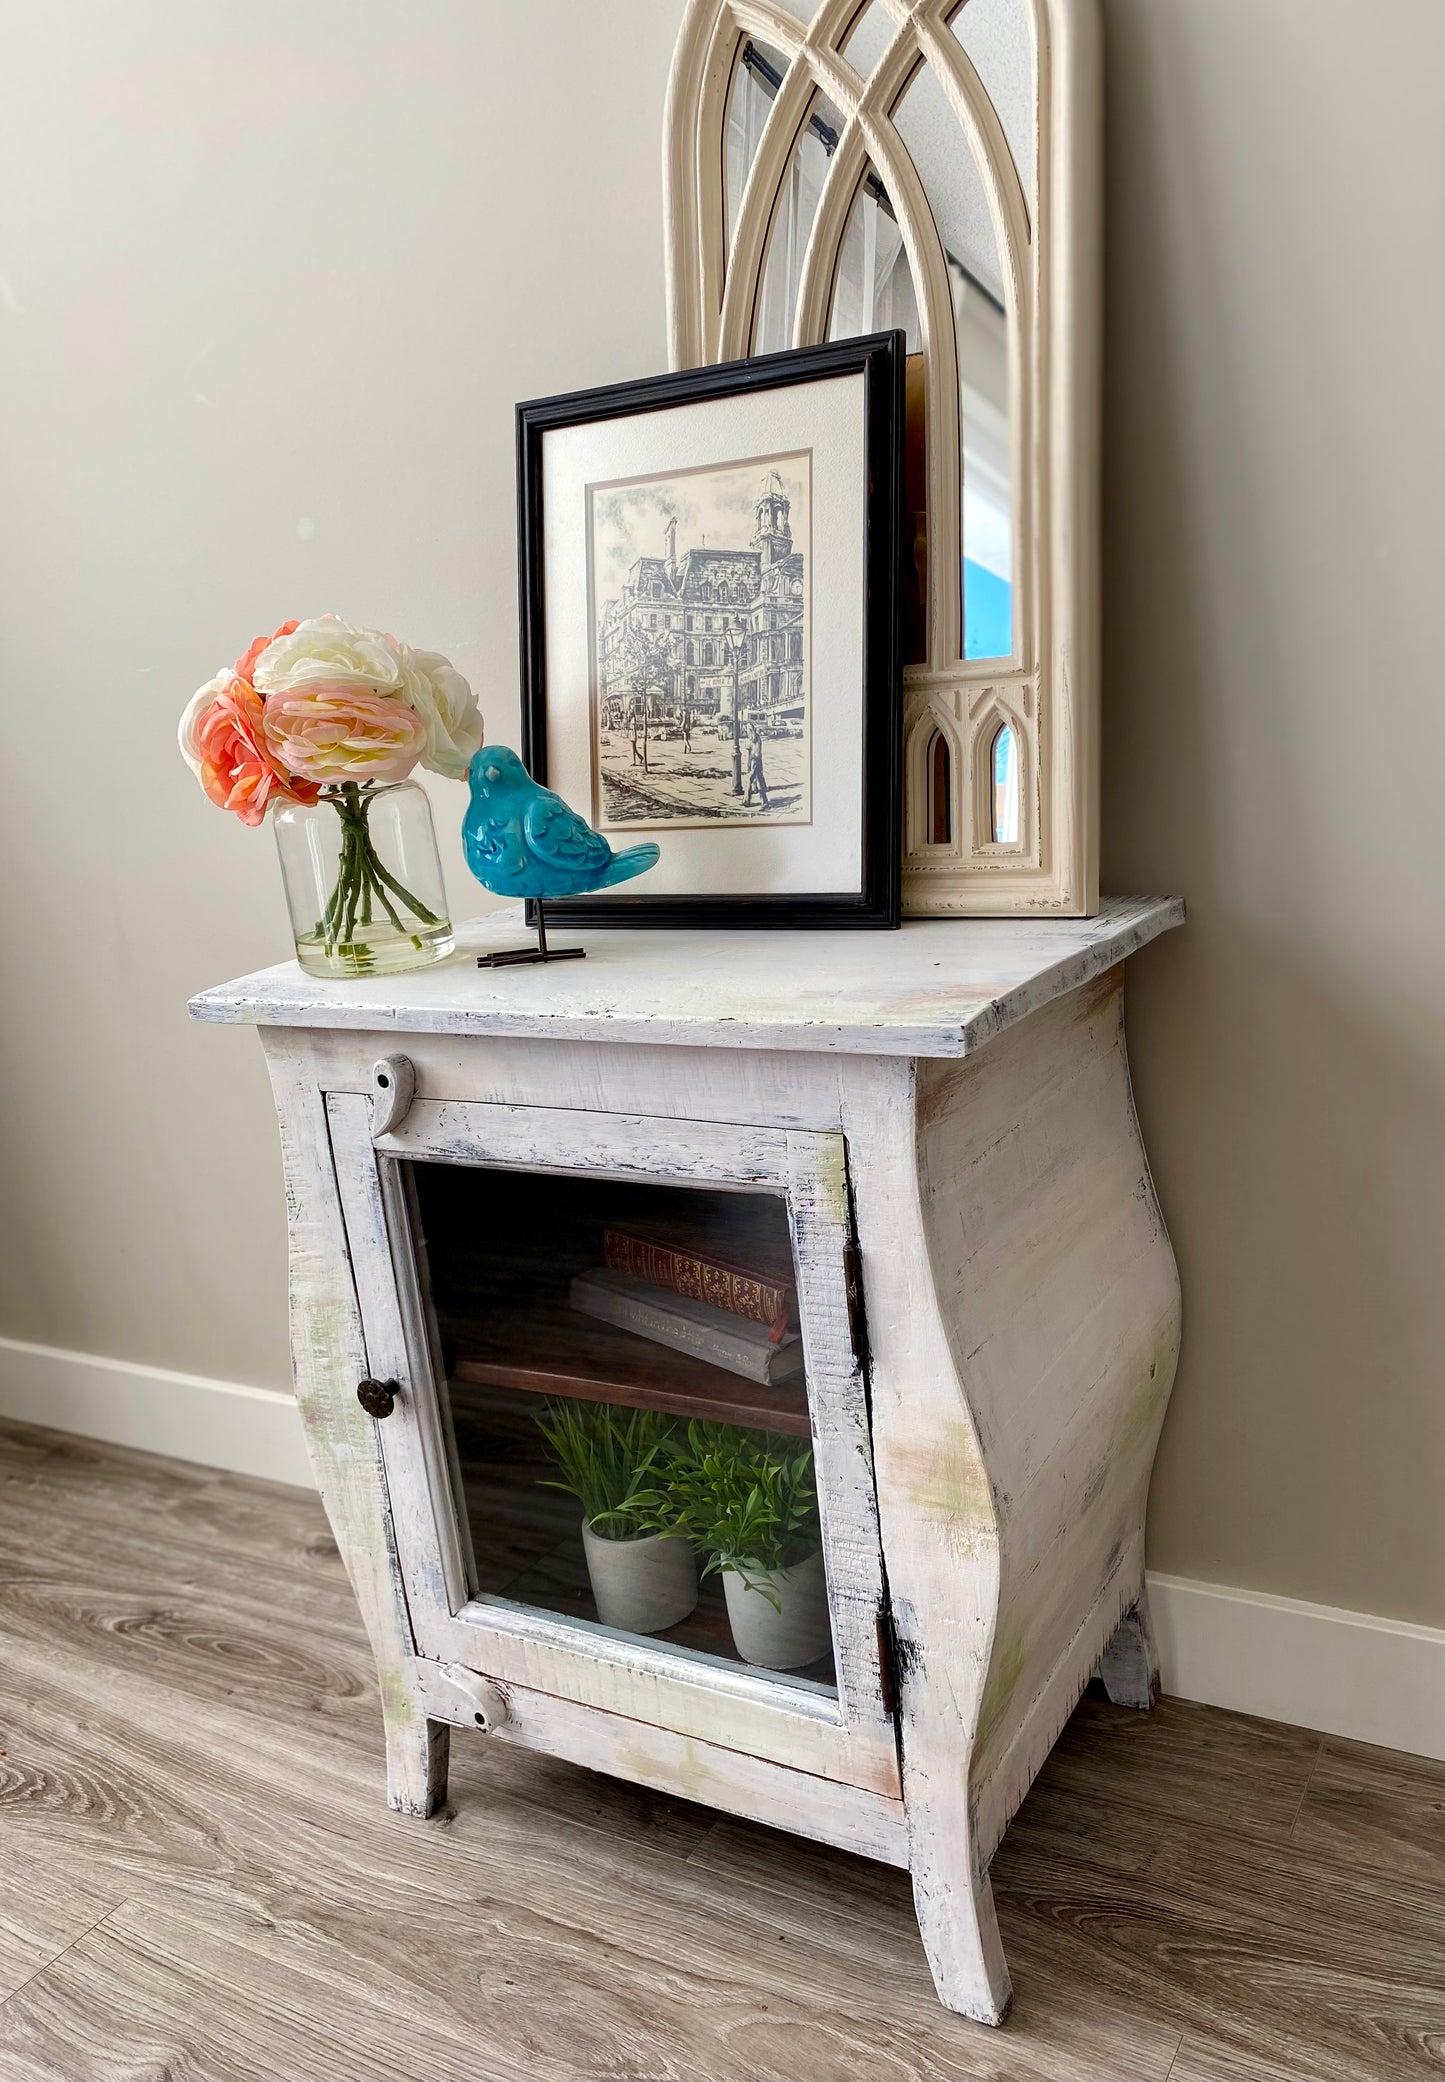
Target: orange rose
236,769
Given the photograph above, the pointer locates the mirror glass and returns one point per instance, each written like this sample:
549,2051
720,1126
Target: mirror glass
873,292
756,78
998,36
792,221
940,151
940,791
873,288
869,38
1005,786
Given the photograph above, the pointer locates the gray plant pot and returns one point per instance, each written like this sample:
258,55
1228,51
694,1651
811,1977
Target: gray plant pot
786,1639
641,1586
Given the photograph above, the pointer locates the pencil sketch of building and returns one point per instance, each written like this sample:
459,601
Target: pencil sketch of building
701,680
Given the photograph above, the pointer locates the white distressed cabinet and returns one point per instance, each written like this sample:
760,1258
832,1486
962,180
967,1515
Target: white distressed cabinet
939,1122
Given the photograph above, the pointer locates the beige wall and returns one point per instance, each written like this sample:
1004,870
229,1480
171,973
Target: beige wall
270,281
1275,747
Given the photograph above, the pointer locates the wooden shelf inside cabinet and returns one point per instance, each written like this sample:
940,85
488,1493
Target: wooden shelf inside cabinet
557,1351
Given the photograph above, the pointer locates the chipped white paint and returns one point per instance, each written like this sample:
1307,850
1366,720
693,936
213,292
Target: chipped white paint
393,1084
1129,1665
850,1817
484,1705
1049,268
965,1112
935,988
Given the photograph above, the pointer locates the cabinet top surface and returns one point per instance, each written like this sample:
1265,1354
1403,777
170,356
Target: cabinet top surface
937,987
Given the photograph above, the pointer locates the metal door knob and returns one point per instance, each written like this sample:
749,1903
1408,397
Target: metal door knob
377,1398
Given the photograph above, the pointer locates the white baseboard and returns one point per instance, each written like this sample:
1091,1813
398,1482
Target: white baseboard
1345,1673
221,1424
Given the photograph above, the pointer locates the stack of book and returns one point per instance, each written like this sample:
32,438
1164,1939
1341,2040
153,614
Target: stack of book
668,1283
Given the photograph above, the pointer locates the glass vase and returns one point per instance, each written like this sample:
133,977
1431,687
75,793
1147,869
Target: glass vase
363,881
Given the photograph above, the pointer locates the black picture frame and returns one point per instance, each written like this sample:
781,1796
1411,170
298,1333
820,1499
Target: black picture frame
880,359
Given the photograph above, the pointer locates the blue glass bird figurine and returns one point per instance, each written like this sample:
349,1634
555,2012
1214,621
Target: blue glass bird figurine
522,840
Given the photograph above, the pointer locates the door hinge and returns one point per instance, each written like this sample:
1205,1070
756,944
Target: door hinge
887,1673
857,1319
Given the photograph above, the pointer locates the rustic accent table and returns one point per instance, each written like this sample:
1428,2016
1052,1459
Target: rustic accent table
939,1122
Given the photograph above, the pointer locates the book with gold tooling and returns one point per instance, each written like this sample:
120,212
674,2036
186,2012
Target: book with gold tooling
684,1256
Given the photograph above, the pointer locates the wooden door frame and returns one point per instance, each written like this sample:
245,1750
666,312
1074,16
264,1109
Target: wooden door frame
848,1737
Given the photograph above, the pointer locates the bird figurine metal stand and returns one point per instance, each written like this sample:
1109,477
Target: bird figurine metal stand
522,840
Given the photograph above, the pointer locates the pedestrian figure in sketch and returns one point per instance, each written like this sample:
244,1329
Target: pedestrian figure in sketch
687,730
756,777
637,758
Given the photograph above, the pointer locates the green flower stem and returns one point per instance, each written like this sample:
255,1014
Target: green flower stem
360,876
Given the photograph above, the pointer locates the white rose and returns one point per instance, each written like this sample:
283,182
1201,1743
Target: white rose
445,703
327,651
191,716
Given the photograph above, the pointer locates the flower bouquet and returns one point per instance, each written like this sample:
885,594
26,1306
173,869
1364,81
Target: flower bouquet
322,724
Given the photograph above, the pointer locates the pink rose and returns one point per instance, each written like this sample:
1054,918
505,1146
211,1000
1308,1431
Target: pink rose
342,732
235,766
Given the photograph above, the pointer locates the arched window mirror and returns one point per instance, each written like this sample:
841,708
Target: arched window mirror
860,165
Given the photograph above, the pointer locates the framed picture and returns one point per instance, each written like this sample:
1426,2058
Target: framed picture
710,657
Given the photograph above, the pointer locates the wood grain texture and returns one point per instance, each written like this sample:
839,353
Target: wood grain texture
42,1914
560,1352
191,1826
1376,1805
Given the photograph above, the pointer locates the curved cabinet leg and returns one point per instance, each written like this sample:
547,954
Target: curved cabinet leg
1129,1665
417,1754
959,1928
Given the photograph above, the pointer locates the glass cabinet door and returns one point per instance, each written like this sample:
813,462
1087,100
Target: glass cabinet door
628,1464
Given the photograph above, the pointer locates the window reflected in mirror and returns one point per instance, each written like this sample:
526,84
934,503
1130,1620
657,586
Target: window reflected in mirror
941,153
1005,763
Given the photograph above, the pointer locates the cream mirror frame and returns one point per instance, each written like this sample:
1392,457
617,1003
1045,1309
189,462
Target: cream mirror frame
1001,752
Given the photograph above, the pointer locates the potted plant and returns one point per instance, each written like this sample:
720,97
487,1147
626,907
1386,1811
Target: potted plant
748,1501
642,1570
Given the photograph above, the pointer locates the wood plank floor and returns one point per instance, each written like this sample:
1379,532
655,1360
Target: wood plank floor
199,1877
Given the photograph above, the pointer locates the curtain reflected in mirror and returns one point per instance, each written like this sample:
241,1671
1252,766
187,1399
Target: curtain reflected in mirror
873,289
756,79
797,205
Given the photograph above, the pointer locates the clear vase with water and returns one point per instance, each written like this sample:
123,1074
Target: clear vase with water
363,880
